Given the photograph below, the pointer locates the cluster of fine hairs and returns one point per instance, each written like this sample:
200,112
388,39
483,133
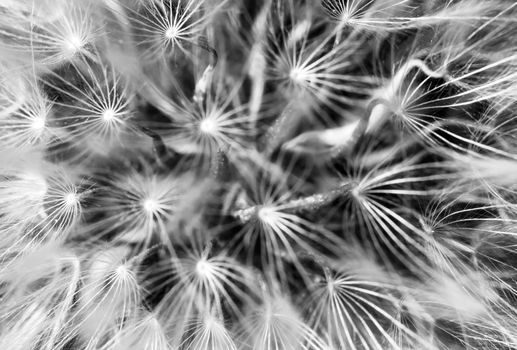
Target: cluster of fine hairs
258,174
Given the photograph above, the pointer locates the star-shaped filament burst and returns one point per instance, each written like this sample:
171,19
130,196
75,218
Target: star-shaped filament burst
164,26
13,91
24,123
95,105
208,331
274,230
209,125
217,123
110,296
375,15
418,98
38,291
40,205
63,204
138,206
376,205
349,307
146,332
199,280
314,73
23,191
55,40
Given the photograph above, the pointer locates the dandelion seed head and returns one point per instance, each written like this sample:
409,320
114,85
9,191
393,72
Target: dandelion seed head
204,268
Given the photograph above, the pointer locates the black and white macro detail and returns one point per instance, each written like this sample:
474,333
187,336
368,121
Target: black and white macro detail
258,175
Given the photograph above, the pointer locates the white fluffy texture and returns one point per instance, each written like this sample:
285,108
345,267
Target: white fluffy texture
258,175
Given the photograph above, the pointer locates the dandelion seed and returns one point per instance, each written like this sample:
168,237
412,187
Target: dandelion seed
24,119
109,297
275,325
92,109
138,206
51,40
270,227
276,175
203,268
218,124
309,72
161,27
147,333
209,333
203,284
